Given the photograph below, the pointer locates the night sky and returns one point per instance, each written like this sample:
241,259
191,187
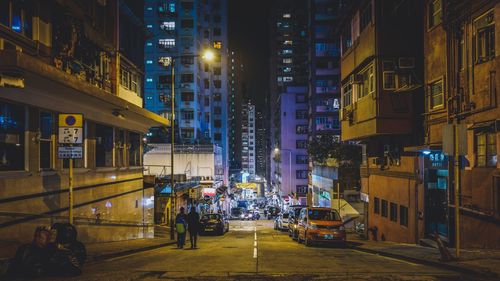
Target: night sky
248,35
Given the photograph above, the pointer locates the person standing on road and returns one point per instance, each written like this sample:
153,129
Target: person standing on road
193,226
180,227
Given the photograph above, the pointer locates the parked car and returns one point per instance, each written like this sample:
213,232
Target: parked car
214,223
272,212
249,215
281,221
236,213
293,220
320,225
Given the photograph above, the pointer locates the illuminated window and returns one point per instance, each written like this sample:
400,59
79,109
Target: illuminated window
217,44
288,42
347,95
149,79
436,94
149,62
149,44
486,150
166,43
288,60
287,79
287,52
149,26
167,25
287,16
287,69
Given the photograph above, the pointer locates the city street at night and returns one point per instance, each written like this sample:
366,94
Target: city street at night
277,257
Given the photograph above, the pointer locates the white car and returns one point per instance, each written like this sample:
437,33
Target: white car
281,221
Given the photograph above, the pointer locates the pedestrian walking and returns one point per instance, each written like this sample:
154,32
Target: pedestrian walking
180,226
193,226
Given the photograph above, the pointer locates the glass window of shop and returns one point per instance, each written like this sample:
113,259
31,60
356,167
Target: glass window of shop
12,122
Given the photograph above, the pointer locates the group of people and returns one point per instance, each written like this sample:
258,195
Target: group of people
189,222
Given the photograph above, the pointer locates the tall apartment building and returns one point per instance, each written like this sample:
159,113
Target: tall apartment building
261,144
183,30
248,143
234,110
381,74
461,67
324,54
73,57
289,97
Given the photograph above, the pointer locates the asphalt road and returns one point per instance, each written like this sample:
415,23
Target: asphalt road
252,250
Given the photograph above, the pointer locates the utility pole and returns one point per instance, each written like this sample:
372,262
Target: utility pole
456,161
172,134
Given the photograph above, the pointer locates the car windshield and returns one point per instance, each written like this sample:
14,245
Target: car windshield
211,217
323,215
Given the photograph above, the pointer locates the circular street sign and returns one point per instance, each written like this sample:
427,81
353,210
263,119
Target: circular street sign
70,120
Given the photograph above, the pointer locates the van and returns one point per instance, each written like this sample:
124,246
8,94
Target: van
320,225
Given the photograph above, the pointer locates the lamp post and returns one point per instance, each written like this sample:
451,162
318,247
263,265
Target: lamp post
207,56
277,150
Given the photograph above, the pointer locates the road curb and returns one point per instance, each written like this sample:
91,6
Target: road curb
97,258
441,265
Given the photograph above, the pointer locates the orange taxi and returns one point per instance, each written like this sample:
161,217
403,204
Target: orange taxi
320,225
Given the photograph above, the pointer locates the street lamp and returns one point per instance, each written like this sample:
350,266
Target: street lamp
207,55
277,151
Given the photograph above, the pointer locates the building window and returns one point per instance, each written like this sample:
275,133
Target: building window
217,97
287,79
436,94
217,84
134,150
18,16
167,25
218,136
434,13
403,215
46,132
376,205
486,150
217,123
301,189
301,129
104,146
187,133
301,144
394,212
11,137
166,43
120,148
346,38
217,110
187,115
301,159
301,114
187,6
217,18
217,44
384,210
389,78
287,60
187,60
187,96
217,31
347,94
207,101
368,86
485,37
366,17
187,78
301,174
187,23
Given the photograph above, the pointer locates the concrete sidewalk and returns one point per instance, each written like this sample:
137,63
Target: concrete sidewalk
472,261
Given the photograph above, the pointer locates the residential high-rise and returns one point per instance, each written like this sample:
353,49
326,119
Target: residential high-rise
248,139
261,145
234,112
183,30
324,54
289,97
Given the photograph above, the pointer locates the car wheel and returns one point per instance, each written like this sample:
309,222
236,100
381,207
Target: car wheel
307,242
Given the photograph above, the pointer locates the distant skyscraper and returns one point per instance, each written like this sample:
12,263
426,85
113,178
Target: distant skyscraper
289,96
261,144
248,139
234,112
183,30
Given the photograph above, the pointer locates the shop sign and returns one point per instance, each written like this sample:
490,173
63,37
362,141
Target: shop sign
437,160
208,191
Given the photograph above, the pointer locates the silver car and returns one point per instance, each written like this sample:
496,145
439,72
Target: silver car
281,221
